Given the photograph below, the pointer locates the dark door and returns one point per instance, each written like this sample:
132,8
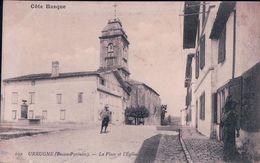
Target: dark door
235,89
24,111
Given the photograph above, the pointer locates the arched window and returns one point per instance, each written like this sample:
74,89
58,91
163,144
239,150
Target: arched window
110,48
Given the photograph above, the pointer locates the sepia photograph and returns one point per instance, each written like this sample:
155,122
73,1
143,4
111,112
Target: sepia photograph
130,82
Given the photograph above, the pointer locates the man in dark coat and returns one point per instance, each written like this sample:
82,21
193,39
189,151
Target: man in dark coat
105,117
229,124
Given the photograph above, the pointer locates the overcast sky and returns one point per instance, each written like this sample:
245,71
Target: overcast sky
33,38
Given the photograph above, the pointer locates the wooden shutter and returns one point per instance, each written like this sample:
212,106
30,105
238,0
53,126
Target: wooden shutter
250,111
198,31
215,107
202,52
203,12
236,91
202,106
197,66
222,47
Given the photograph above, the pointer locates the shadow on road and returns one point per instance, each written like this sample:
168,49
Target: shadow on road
148,150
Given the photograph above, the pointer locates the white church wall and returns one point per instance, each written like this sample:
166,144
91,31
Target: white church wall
46,99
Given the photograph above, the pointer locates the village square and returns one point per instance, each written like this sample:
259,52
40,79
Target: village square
130,82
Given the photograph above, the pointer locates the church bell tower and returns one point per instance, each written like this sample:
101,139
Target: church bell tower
114,48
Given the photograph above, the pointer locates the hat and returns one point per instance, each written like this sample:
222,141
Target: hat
106,106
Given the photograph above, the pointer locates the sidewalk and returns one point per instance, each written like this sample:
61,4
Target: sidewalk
200,148
15,130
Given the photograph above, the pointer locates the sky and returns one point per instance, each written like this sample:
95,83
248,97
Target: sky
34,37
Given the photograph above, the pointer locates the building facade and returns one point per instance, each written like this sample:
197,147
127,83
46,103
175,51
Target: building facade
143,95
75,96
225,40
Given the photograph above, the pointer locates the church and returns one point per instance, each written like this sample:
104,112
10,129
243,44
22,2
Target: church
80,96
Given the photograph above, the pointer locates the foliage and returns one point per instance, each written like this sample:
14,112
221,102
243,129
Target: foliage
136,113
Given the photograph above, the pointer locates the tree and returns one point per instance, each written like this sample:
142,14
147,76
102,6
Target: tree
163,112
136,113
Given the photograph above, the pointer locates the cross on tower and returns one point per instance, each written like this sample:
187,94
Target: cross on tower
115,5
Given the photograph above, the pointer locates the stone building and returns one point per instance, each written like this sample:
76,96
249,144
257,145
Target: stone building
143,95
75,96
225,60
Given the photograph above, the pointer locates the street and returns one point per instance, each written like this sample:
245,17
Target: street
120,144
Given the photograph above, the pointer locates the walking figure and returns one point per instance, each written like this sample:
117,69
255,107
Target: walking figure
105,117
229,124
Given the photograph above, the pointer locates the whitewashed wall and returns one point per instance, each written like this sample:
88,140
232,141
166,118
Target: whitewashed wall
45,98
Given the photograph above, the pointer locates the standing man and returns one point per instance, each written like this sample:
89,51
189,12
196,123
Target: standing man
105,114
229,124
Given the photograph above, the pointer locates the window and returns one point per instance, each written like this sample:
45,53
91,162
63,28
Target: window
198,38
30,114
62,114
59,98
221,99
202,106
203,12
31,97
197,70
13,114
102,81
80,97
110,48
14,97
110,61
215,107
44,114
222,47
202,52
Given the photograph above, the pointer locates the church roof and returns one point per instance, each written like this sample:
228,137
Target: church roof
113,24
114,28
47,76
134,82
44,76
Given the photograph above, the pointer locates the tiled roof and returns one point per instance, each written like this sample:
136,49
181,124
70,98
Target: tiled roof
44,76
224,11
134,82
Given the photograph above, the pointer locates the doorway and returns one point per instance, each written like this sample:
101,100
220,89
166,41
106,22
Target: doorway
24,111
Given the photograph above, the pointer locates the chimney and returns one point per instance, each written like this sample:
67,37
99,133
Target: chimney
55,69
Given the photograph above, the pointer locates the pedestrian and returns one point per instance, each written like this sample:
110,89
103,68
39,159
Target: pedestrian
105,117
229,125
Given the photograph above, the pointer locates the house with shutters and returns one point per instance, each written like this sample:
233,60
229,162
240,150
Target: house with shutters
224,39
78,96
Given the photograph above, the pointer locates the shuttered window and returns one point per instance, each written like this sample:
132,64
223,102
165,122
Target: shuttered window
215,107
197,66
14,97
222,47
202,106
198,38
202,52
80,97
203,12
